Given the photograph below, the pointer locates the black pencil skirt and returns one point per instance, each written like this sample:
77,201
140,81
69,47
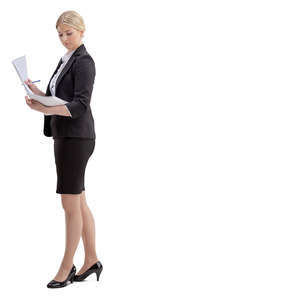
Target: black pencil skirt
71,157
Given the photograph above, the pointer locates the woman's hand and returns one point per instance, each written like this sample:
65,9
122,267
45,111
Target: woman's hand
33,87
33,104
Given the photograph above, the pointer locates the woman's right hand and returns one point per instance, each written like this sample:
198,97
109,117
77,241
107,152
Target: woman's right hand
33,87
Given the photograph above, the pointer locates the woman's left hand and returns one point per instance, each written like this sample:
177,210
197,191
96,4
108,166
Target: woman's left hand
35,104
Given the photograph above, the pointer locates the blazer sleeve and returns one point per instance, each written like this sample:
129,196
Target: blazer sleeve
84,77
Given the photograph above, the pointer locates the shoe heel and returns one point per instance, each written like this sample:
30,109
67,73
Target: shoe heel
72,278
98,274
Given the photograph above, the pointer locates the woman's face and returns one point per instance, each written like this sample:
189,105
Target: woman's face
69,36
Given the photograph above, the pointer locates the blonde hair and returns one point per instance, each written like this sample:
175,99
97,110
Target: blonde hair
71,18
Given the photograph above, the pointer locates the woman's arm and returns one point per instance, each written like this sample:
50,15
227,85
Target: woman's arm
60,110
84,77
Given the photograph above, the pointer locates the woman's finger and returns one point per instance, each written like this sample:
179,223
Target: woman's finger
28,101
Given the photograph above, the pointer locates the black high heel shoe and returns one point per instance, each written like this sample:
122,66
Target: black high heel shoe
96,267
57,284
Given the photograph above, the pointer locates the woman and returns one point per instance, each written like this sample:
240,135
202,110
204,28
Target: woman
72,127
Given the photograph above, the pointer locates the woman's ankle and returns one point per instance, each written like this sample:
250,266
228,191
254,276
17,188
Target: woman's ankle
90,260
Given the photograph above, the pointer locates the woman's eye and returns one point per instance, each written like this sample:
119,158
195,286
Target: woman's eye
67,34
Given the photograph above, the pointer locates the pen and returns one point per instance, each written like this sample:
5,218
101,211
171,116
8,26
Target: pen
35,81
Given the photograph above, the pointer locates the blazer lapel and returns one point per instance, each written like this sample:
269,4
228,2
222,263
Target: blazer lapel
48,87
81,49
77,52
64,70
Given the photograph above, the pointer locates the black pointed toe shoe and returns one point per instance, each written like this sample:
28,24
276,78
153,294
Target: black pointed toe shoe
95,268
57,284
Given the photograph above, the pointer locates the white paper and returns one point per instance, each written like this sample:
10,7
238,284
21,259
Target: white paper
20,66
21,69
48,100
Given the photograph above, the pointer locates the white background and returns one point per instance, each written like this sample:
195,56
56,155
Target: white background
194,181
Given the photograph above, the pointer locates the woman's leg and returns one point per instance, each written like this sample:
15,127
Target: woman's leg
74,223
88,235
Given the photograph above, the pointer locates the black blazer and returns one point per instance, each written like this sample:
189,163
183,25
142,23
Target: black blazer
75,85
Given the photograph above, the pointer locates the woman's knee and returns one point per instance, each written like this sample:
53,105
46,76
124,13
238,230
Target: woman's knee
83,203
70,202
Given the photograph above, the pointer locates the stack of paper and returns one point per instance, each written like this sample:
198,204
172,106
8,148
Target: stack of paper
21,69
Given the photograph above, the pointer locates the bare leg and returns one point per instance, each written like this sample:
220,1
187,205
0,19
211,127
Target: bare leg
88,235
74,223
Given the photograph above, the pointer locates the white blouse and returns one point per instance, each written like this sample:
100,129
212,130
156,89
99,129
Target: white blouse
65,59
